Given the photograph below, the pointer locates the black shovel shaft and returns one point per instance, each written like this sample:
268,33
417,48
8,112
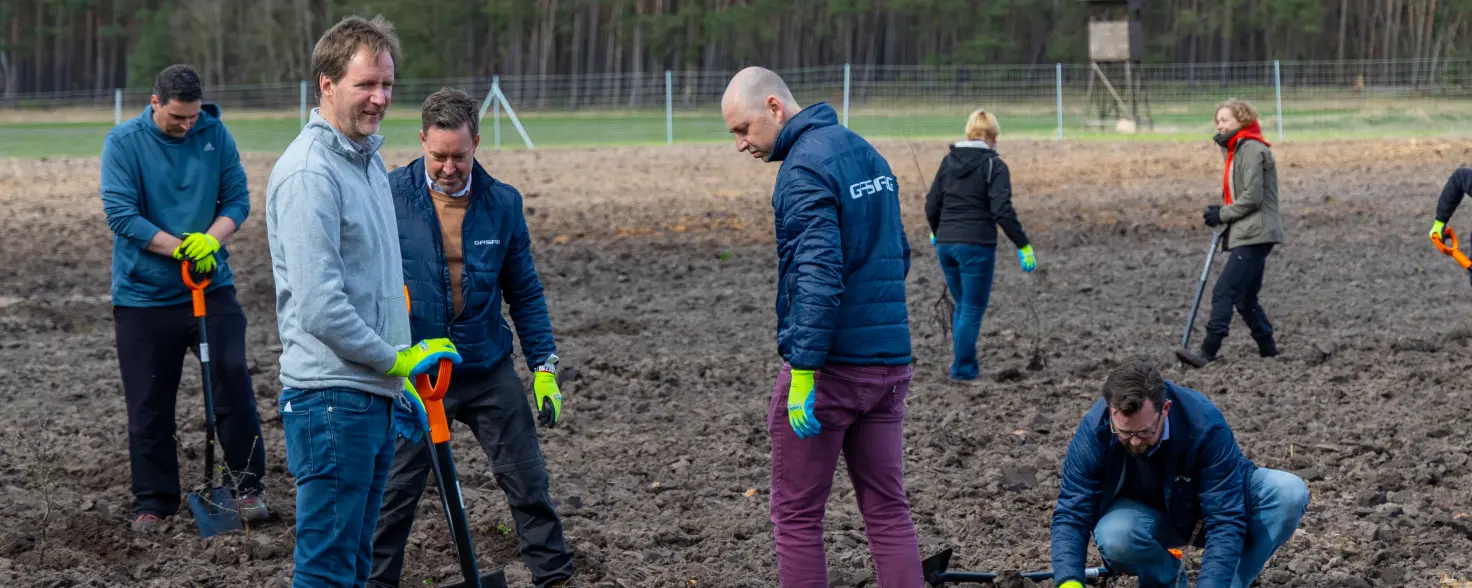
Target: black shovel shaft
449,483
982,577
1200,289
209,403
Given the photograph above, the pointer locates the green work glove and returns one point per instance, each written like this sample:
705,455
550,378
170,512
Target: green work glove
421,357
198,246
1071,584
800,405
549,398
932,238
206,265
1027,259
1436,230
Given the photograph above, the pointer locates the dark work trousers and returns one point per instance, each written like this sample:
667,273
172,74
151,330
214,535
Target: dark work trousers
152,343
1237,288
499,414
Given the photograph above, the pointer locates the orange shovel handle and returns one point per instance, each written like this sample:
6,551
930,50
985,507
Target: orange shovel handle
433,394
433,397
196,289
1450,248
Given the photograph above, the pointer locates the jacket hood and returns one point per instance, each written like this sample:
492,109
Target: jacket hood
331,138
816,116
967,157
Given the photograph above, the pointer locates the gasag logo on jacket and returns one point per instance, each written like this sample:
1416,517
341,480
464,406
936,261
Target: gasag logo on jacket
873,186
488,242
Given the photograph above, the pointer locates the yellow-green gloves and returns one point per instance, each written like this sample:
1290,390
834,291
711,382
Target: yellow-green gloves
1071,584
199,248
1027,259
423,356
549,398
800,405
1436,230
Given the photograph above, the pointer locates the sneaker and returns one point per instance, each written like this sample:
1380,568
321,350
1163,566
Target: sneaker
253,508
147,523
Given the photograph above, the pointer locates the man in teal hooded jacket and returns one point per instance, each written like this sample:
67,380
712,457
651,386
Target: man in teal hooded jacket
174,191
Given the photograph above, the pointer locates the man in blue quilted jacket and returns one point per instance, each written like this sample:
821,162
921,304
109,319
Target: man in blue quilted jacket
1149,461
465,249
842,329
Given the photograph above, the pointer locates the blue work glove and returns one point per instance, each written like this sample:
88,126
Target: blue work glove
423,356
410,420
800,405
1027,259
1212,216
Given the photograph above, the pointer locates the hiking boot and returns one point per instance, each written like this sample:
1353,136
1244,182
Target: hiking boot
147,523
1266,346
253,508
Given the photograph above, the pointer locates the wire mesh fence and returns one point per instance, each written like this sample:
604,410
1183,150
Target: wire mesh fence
1383,98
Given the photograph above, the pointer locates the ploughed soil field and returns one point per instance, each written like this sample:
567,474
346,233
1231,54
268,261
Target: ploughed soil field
659,270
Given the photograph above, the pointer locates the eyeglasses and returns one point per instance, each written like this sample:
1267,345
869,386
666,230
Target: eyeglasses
1143,435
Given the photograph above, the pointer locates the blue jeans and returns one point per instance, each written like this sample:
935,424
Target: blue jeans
968,270
1133,537
339,446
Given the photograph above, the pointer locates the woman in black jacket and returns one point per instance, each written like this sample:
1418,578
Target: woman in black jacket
970,197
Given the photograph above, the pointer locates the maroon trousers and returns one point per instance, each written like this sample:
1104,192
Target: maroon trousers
861,410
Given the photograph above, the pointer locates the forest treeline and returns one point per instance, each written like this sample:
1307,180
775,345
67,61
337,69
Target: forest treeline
75,45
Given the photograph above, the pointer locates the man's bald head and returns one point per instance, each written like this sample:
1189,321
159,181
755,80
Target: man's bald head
750,88
756,105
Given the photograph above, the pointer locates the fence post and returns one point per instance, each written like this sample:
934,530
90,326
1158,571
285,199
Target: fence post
117,106
845,93
669,109
303,107
1058,83
496,110
1278,86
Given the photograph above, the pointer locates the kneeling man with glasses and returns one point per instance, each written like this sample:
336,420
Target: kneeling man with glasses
1149,462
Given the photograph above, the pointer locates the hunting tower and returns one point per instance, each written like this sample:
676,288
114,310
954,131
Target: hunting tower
1116,45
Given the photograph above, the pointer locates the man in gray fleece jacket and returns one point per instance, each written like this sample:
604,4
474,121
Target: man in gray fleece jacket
340,307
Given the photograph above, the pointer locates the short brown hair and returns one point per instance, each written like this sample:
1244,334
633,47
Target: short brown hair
341,42
450,109
1130,385
1241,110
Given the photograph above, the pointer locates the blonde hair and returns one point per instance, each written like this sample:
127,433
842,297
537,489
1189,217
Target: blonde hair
1241,110
982,125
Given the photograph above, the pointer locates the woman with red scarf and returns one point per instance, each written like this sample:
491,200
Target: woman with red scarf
1250,210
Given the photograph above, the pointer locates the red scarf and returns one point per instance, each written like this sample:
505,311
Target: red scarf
1252,131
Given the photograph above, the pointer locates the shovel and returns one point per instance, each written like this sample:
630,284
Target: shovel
1450,248
1184,353
448,481
937,572
214,510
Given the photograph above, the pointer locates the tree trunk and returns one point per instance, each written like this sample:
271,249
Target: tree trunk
305,18
577,56
1226,56
636,57
613,57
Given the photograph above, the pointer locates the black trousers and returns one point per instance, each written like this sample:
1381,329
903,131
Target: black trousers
497,410
152,343
1237,288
